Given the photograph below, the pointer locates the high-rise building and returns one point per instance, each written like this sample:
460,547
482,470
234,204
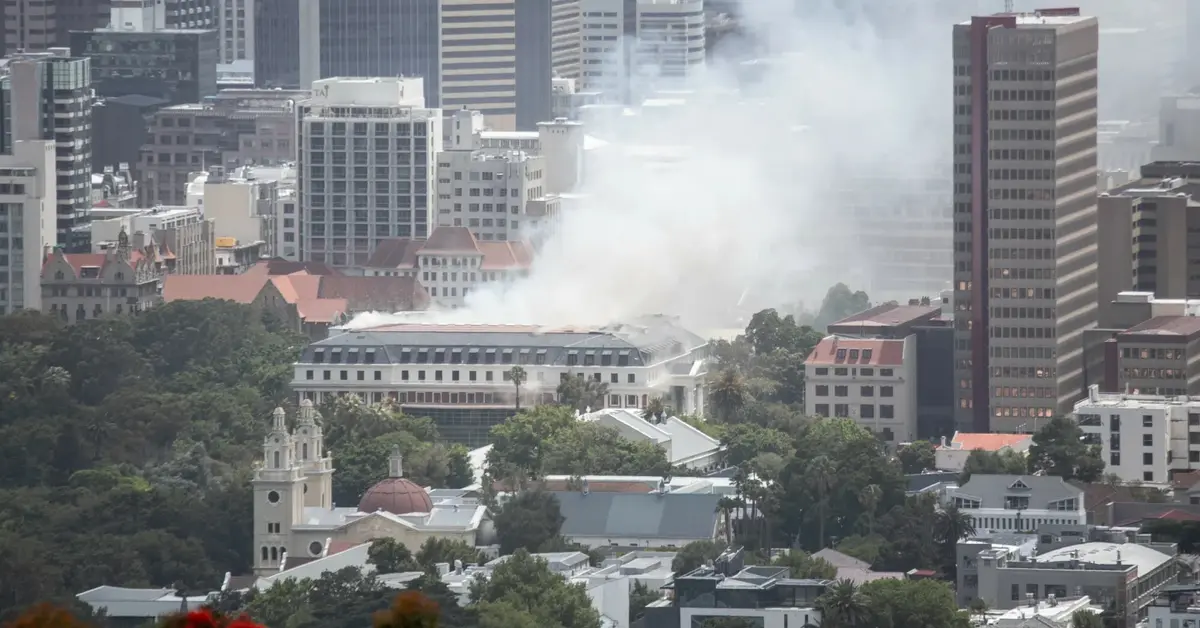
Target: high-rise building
479,65
35,25
367,166
178,66
27,221
1025,235
566,37
605,54
670,41
277,44
47,96
235,28
147,15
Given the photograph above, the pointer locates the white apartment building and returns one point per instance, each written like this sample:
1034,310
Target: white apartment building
28,222
235,30
430,369
670,42
287,224
451,263
606,53
242,207
368,166
487,190
1143,438
871,380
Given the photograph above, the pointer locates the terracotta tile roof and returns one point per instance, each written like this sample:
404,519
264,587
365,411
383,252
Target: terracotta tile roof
505,255
970,441
396,294
79,261
1185,479
451,240
1177,515
321,310
337,547
277,266
237,288
836,350
395,253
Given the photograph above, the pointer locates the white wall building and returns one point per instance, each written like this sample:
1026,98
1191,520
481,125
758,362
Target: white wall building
670,42
1143,438
287,224
1017,503
871,380
684,445
605,48
952,455
487,190
28,222
368,166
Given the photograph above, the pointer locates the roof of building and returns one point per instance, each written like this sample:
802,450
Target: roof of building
1165,326
843,351
970,441
280,266
1146,559
686,441
653,338
648,516
403,252
1041,490
399,496
137,603
393,294
236,288
838,559
890,314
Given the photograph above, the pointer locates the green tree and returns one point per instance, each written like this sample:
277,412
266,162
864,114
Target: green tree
436,550
840,302
1086,619
640,596
803,565
655,410
917,456
951,526
695,554
581,393
869,498
517,376
528,521
843,606
1059,449
727,394
1004,462
391,556
523,588
913,603
979,607
821,479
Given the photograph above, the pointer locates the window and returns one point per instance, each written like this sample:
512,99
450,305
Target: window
1147,420
1148,440
1114,458
1148,476
308,375
885,372
822,409
867,391
841,391
866,411
887,412
1194,419
825,371
822,390
632,379
886,391
1147,458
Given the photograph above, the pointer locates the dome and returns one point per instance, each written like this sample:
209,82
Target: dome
397,496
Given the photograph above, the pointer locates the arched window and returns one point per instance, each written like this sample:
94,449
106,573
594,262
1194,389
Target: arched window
264,553
274,554
304,451
277,464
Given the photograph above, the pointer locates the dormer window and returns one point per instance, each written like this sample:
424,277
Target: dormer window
58,275
120,276
1018,486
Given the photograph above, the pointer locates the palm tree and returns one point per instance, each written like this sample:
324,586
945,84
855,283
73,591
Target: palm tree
655,409
1086,619
726,505
518,376
843,606
951,525
728,393
868,498
820,474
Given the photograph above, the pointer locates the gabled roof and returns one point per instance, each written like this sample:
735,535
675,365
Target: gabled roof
237,288
685,517
375,293
395,253
838,559
1042,490
403,252
839,351
451,240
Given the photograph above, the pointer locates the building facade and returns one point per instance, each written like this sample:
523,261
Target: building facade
235,30
277,44
124,280
1143,438
234,128
459,375
48,97
670,42
34,25
999,504
479,57
1025,235
367,166
27,221
179,66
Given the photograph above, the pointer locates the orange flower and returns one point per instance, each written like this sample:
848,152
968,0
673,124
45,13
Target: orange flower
411,609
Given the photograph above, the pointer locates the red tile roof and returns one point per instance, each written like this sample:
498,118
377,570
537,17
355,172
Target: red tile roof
395,253
321,310
451,240
505,255
394,294
1177,515
237,288
970,441
278,266
836,350
401,253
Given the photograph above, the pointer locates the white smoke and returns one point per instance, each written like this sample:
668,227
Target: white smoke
750,199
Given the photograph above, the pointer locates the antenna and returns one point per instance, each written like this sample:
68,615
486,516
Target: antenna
1008,6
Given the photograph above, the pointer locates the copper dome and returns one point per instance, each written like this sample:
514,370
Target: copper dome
397,496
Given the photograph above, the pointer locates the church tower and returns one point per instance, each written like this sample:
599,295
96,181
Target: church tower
314,461
278,496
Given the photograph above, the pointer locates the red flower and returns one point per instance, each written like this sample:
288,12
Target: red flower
243,622
202,618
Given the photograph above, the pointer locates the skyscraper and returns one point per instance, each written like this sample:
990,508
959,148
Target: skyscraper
1025,98
47,96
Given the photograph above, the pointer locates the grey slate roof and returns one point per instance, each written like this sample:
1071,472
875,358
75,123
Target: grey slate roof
638,515
992,489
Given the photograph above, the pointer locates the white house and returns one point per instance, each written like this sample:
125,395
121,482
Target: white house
952,455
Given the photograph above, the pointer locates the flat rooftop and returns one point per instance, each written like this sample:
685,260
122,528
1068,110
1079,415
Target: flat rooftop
890,314
1165,327
1044,17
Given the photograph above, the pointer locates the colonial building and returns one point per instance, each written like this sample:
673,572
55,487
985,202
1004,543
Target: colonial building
294,512
126,279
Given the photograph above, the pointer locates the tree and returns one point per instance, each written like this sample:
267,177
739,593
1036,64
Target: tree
979,607
840,302
528,521
391,556
582,393
917,456
694,554
821,478
727,394
727,622
1059,449
951,526
802,565
843,606
517,375
1003,462
640,596
1086,619
869,499
436,550
523,587
655,410
904,603
410,609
